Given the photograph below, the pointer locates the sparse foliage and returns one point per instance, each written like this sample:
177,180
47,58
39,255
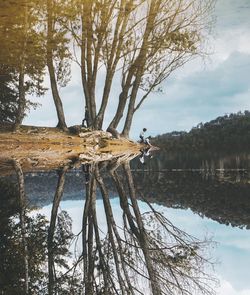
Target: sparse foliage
140,41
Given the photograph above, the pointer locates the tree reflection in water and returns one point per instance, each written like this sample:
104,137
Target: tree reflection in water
147,254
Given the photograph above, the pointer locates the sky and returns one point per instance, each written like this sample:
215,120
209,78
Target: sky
198,92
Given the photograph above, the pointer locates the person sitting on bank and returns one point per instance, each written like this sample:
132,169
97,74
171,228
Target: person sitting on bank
142,135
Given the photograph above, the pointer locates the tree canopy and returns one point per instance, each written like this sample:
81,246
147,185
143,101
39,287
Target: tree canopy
22,51
225,134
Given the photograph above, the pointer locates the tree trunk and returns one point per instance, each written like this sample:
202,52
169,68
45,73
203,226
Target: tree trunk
113,60
106,92
87,70
85,89
122,100
21,85
130,112
21,101
140,65
56,97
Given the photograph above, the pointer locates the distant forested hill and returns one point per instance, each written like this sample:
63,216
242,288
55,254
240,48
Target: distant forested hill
229,133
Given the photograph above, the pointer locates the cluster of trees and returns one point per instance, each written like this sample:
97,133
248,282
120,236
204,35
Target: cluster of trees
141,42
225,134
13,253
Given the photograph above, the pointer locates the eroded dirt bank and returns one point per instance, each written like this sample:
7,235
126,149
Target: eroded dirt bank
44,148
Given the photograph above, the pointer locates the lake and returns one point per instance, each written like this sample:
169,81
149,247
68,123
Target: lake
214,207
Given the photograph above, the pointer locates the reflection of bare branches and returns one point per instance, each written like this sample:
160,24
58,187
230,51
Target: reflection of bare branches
90,231
113,235
148,249
51,231
151,247
123,201
143,241
177,262
88,235
146,252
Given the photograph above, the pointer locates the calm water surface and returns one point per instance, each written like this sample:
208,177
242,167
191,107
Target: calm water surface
205,204
215,206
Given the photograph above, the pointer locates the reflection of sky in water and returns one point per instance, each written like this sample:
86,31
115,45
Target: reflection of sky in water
232,251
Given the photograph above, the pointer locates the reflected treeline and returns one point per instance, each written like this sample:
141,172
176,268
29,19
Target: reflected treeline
143,253
207,161
24,248
222,195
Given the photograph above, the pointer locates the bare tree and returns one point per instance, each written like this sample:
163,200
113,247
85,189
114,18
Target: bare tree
140,41
137,42
171,35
